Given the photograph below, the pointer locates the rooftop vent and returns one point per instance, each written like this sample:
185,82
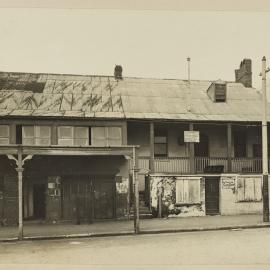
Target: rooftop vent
118,72
217,91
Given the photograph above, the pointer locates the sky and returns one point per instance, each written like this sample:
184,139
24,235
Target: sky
149,44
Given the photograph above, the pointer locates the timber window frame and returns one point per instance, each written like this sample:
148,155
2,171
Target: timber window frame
73,135
188,191
106,136
4,134
249,189
36,135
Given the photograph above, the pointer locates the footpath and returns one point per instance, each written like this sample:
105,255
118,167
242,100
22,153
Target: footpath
39,230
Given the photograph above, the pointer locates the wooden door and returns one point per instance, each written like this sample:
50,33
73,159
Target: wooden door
39,200
212,196
104,192
76,199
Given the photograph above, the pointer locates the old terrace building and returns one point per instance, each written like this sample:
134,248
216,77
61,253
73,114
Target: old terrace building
75,135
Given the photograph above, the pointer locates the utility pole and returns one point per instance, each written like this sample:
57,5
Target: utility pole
265,145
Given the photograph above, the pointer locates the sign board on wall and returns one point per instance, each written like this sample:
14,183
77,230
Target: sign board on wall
228,182
192,136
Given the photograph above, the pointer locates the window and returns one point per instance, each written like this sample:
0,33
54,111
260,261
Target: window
73,136
36,135
249,189
106,136
160,143
240,144
4,134
220,92
188,191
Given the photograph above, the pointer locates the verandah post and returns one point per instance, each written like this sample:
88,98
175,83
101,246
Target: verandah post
191,152
152,146
229,146
136,192
19,169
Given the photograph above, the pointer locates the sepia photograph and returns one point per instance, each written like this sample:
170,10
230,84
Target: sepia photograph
134,135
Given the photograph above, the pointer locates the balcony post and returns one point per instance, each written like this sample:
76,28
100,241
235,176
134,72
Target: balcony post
152,147
191,152
229,146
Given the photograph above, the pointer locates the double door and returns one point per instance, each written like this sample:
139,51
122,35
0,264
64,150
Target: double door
85,199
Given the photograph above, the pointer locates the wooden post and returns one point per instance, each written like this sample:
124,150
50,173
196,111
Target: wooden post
136,193
191,152
20,195
229,146
152,148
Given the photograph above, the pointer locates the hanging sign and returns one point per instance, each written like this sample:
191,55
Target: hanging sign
192,136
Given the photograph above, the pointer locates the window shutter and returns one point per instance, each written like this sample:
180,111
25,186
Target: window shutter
179,191
99,136
194,190
4,134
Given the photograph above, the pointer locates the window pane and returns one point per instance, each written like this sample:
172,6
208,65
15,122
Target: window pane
80,142
4,140
98,132
43,131
99,142
159,139
4,131
65,142
65,132
81,132
28,131
114,132
116,142
28,141
43,141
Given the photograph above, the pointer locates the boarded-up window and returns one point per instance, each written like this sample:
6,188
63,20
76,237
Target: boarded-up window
36,135
106,136
249,189
188,191
73,136
4,134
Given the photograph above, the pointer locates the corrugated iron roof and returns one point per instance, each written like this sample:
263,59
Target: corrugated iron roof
131,98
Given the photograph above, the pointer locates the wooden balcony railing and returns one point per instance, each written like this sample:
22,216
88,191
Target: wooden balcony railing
182,164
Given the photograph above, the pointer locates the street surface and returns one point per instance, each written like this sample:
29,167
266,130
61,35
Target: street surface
160,251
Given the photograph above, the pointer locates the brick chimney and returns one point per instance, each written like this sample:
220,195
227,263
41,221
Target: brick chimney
118,72
244,73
